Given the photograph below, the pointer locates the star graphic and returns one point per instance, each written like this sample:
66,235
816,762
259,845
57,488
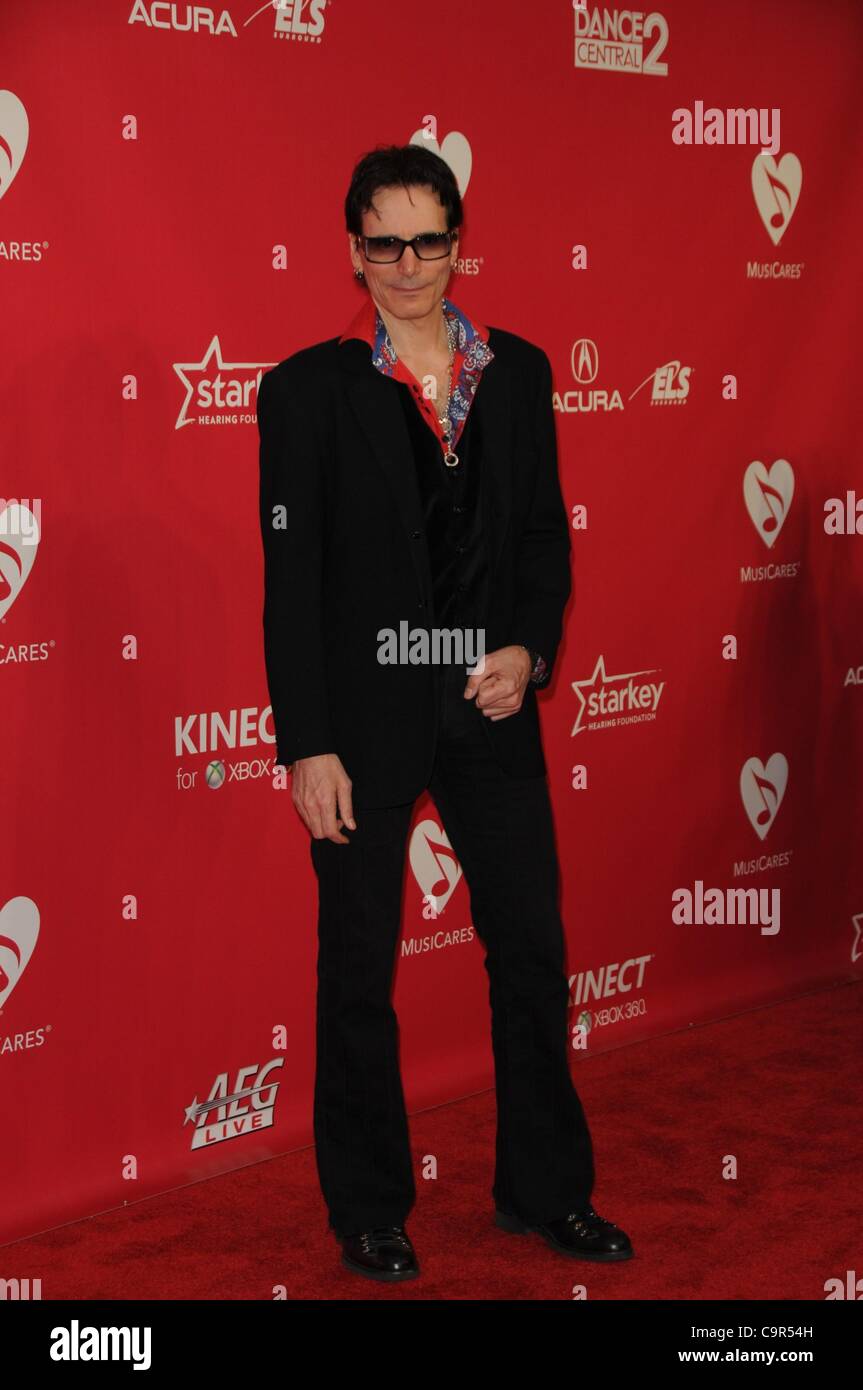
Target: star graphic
597,681
214,350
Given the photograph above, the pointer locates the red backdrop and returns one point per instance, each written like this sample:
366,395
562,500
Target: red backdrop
170,225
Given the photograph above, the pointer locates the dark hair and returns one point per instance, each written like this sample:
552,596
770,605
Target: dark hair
393,166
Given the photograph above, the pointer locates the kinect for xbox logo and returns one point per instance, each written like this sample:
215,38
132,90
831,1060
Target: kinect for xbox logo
432,646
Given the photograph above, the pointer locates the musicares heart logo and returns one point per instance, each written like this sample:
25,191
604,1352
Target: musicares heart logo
14,133
19,929
776,188
455,150
19,541
762,789
768,496
434,865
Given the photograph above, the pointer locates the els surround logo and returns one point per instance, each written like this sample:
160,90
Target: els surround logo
232,1118
670,384
610,701
219,392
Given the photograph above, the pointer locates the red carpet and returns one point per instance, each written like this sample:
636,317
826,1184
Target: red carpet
778,1088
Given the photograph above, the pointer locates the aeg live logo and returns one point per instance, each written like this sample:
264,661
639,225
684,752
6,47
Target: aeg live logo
232,1116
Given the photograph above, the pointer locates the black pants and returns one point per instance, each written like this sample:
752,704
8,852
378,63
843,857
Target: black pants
502,833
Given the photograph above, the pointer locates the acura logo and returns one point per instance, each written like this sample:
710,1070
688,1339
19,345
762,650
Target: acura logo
585,361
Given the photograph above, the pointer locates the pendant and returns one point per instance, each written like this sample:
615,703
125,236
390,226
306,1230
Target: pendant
450,459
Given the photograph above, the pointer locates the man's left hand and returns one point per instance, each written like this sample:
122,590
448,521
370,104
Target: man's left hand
499,688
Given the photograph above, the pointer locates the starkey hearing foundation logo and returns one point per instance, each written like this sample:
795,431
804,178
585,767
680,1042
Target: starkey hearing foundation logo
608,702
225,1113
620,40
219,392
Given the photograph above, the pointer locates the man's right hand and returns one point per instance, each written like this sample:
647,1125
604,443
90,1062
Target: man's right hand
321,793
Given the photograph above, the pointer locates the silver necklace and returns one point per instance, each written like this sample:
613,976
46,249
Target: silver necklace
449,457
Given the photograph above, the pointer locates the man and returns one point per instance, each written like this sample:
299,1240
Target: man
409,481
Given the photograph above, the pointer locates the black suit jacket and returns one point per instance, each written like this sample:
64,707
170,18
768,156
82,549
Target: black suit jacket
350,559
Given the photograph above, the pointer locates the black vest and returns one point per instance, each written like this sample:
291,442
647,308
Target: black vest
452,515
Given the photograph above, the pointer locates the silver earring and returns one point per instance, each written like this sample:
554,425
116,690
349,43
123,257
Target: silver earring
359,274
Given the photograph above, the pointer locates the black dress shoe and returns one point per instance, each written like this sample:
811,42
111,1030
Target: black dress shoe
582,1234
382,1253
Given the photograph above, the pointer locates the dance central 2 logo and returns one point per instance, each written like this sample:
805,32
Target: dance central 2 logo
617,40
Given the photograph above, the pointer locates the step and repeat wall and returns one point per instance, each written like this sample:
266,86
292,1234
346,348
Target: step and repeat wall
669,203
